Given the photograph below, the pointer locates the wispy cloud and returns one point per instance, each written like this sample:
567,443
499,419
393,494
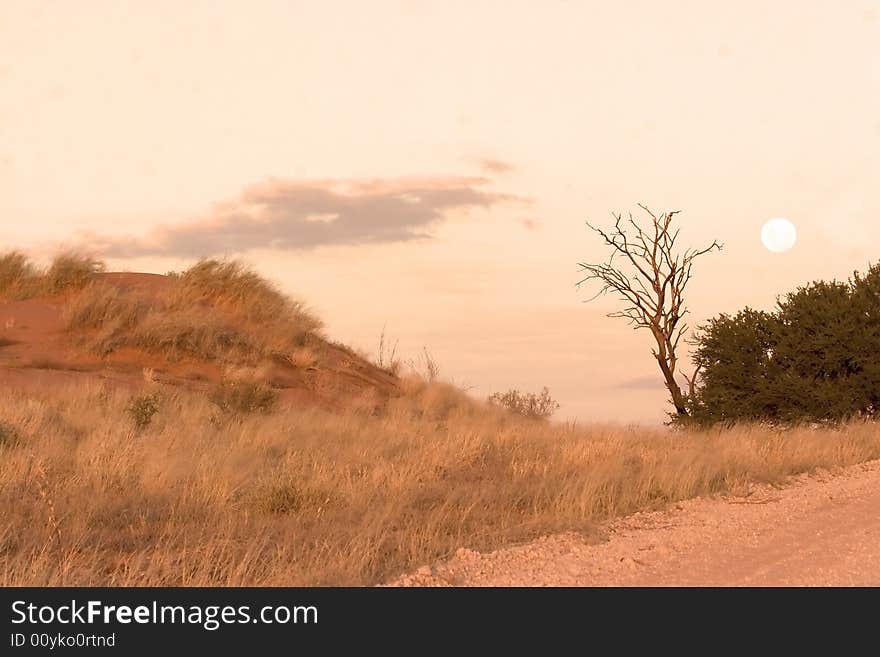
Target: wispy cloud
492,166
286,214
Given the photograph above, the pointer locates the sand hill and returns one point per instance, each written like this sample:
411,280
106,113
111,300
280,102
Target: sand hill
217,322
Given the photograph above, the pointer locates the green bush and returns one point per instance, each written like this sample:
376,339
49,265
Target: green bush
735,353
141,409
816,358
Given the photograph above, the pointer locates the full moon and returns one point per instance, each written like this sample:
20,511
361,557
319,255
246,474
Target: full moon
778,235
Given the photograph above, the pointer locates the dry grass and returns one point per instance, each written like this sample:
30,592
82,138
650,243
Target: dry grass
244,397
232,286
101,305
306,497
217,310
230,283
16,274
9,436
199,332
20,279
102,315
71,270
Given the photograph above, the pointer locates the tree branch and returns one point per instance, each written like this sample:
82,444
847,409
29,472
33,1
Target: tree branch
651,281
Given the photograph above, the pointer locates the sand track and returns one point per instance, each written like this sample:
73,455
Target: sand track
821,530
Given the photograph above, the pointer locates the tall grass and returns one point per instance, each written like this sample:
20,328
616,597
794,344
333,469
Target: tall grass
102,304
17,274
309,497
217,310
231,285
71,270
21,279
202,333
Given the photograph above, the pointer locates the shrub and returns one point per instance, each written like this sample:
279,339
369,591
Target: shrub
425,366
71,270
531,405
244,397
815,358
141,409
735,353
386,357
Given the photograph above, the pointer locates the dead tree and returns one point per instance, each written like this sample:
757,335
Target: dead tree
649,276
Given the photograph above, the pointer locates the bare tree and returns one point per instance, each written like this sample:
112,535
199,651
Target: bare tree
650,276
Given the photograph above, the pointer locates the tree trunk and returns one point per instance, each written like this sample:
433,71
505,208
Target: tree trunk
678,398
666,359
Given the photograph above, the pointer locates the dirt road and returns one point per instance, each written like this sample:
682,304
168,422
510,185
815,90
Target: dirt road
821,530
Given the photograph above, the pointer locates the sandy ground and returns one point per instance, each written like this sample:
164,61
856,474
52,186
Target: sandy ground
821,530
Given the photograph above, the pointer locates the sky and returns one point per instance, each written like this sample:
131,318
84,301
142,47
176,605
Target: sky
428,167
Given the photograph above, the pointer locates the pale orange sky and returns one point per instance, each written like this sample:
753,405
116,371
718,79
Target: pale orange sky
117,118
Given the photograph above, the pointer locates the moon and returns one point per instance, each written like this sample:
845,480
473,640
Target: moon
778,235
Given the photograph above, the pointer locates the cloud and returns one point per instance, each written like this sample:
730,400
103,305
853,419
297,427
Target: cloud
284,214
492,166
530,224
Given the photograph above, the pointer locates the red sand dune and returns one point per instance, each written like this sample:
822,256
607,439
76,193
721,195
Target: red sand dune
36,350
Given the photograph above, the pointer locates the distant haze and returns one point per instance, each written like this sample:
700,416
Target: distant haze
428,166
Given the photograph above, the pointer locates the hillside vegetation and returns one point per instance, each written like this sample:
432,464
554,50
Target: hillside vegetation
216,310
138,481
20,279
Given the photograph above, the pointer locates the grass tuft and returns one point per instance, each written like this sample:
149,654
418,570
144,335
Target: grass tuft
71,270
18,277
244,397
